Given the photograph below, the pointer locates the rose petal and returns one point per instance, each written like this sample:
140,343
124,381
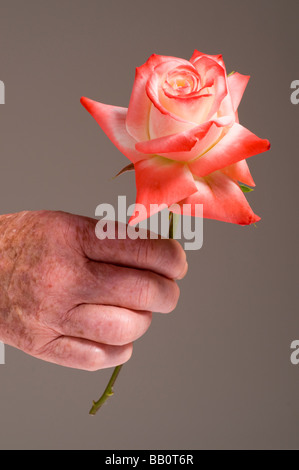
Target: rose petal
140,104
217,58
211,71
182,82
222,199
239,172
161,125
226,107
237,84
160,181
239,143
187,145
112,120
176,108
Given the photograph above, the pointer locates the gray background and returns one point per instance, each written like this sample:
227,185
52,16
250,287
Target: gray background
216,374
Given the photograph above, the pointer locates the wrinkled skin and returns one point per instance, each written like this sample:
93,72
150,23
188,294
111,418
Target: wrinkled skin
67,297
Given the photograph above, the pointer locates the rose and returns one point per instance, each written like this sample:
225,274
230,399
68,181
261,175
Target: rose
181,132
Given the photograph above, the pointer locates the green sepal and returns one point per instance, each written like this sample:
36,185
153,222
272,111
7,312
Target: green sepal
129,167
245,189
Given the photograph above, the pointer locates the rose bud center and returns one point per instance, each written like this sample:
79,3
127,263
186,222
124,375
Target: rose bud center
181,83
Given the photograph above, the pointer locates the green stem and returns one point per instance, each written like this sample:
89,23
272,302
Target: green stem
173,219
107,393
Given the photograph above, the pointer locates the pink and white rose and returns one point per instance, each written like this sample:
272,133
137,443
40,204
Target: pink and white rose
181,131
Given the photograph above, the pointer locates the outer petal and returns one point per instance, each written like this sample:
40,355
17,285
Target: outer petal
226,107
222,199
240,172
112,120
239,143
218,58
211,71
160,181
161,125
139,106
187,145
237,84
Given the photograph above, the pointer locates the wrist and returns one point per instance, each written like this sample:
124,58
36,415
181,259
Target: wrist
10,251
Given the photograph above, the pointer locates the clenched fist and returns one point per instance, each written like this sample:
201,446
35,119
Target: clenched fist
69,298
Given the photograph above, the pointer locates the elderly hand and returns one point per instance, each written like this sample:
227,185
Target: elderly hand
67,297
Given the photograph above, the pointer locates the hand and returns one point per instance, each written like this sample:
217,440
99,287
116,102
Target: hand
67,297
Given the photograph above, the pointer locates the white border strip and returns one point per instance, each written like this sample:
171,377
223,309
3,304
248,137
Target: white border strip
2,353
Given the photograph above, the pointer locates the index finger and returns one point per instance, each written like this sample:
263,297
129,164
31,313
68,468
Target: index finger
162,256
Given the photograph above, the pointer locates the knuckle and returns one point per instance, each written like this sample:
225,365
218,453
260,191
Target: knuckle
177,257
172,298
132,328
92,359
64,322
145,324
126,354
122,332
93,364
144,291
46,350
114,356
145,253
